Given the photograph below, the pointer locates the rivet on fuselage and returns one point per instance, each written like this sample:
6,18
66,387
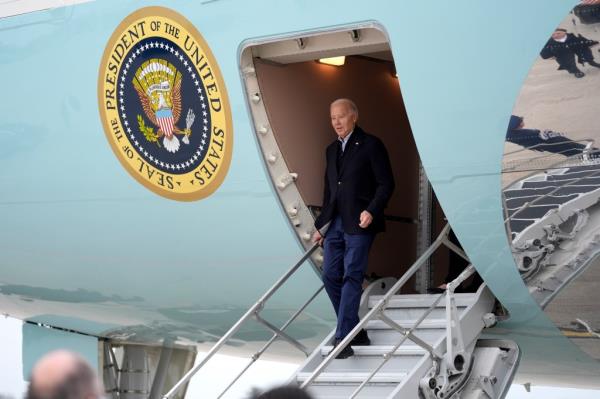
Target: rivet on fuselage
287,180
293,211
272,158
263,130
256,98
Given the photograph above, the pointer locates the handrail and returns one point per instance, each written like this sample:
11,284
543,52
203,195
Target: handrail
252,312
378,310
387,356
258,354
388,218
449,303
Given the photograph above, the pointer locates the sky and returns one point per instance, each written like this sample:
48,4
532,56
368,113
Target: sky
262,375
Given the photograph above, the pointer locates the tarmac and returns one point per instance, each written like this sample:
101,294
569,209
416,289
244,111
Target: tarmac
556,100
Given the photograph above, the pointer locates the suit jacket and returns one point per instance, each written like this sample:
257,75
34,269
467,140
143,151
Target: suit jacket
364,182
565,51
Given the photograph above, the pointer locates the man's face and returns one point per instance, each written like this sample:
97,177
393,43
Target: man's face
558,34
342,119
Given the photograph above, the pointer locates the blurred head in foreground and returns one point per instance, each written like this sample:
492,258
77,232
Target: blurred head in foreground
63,375
284,392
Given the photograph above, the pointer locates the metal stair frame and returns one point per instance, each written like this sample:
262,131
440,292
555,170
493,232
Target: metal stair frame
254,313
382,305
471,317
411,384
435,356
441,365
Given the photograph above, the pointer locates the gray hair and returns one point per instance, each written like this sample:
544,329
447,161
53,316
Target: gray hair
349,103
80,383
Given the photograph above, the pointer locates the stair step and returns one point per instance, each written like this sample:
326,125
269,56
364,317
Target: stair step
421,300
392,337
416,313
343,391
379,350
359,363
425,324
343,376
352,378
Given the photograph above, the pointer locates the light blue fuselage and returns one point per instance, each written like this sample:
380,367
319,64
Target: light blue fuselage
79,234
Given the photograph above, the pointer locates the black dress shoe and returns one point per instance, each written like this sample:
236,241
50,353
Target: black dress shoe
345,353
361,339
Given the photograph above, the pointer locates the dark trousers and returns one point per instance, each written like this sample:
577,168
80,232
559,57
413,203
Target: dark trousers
344,265
567,61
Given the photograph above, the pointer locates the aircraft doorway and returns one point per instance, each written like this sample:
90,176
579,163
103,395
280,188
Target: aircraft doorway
290,88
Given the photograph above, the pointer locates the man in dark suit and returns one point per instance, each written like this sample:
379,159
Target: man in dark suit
358,185
566,48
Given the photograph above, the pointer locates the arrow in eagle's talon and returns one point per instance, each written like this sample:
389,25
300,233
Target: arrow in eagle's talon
189,119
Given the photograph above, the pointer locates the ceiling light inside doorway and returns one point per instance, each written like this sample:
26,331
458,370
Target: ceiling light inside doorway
337,61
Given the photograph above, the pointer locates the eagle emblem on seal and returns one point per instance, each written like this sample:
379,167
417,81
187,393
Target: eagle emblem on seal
158,85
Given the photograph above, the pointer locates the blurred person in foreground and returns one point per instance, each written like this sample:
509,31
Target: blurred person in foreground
63,375
284,392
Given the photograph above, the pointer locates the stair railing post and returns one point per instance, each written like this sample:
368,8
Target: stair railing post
456,357
252,312
388,355
380,307
258,354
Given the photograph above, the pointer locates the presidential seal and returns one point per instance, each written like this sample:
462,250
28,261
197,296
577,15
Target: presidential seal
164,106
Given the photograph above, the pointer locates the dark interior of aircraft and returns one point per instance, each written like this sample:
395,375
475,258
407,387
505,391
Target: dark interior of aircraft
296,97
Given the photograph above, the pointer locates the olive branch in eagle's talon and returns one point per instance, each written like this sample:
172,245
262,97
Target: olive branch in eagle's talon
148,132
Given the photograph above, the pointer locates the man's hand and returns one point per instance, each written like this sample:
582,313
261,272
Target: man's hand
317,238
365,219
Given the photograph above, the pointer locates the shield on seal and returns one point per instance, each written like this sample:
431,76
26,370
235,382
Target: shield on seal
164,117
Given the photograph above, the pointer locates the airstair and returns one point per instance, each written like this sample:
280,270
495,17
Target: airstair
409,352
422,346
